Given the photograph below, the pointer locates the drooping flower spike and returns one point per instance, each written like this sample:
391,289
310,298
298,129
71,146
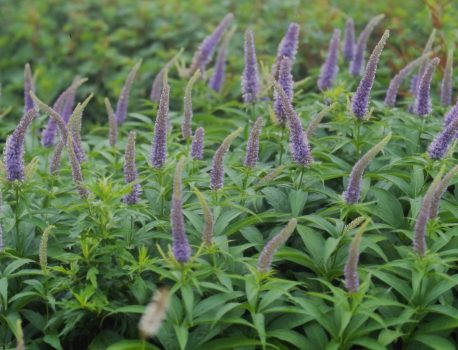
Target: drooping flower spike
351,266
156,86
250,77
112,124
353,191
159,146
439,191
186,129
330,68
130,170
28,86
123,100
219,72
447,81
422,105
287,47
443,140
357,64
197,145
285,79
360,100
252,146
154,314
349,40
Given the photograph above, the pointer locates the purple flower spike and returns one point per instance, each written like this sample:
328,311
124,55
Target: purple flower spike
442,142
353,192
287,47
76,168
447,80
360,101
439,191
250,77
156,86
130,171
330,68
197,146
180,244
219,73
159,147
123,101
285,79
349,40
351,266
204,53
217,170
252,146
69,103
451,114
28,86
186,129
357,63
13,154
427,50
423,99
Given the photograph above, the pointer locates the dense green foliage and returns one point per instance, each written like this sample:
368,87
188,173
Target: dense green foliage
105,259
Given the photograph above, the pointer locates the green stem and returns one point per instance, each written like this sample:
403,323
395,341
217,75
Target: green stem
16,224
300,179
420,132
356,138
281,144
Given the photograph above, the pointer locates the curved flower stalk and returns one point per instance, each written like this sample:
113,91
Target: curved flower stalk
159,147
250,77
395,83
130,170
217,170
186,129
351,266
423,99
442,142
318,118
219,72
197,146
112,124
43,252
330,67
427,49
69,103
204,53
439,191
447,80
252,146
285,79
267,253
154,314
156,86
298,142
287,47
180,244
357,63
349,40
360,101
28,86
123,100
13,154
76,168
207,231
74,125
353,192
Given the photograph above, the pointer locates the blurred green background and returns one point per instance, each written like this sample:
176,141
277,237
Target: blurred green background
101,39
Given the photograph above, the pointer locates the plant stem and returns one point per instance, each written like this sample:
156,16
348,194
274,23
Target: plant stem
300,179
420,132
16,217
356,137
281,144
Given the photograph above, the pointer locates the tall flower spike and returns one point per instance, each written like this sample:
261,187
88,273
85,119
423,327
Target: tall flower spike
217,170
447,80
13,154
442,142
357,63
69,103
154,314
123,101
159,147
439,191
76,168
360,100
423,99
197,146
204,53
419,236
43,252
317,119
252,146
180,244
330,68
349,40
130,170
351,266
250,77
74,125
451,114
353,192
428,47
28,86
287,47
267,253
186,129
395,83
156,87
112,124
219,72
285,79
298,141
207,231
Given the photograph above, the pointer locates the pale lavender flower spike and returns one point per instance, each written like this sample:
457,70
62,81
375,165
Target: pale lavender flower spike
69,104
439,191
442,142
13,154
351,266
180,244
28,86
360,100
197,146
250,77
186,128
427,49
330,68
357,64
130,170
451,114
423,99
204,53
252,146
285,79
159,146
287,47
447,80
349,40
123,101
219,72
